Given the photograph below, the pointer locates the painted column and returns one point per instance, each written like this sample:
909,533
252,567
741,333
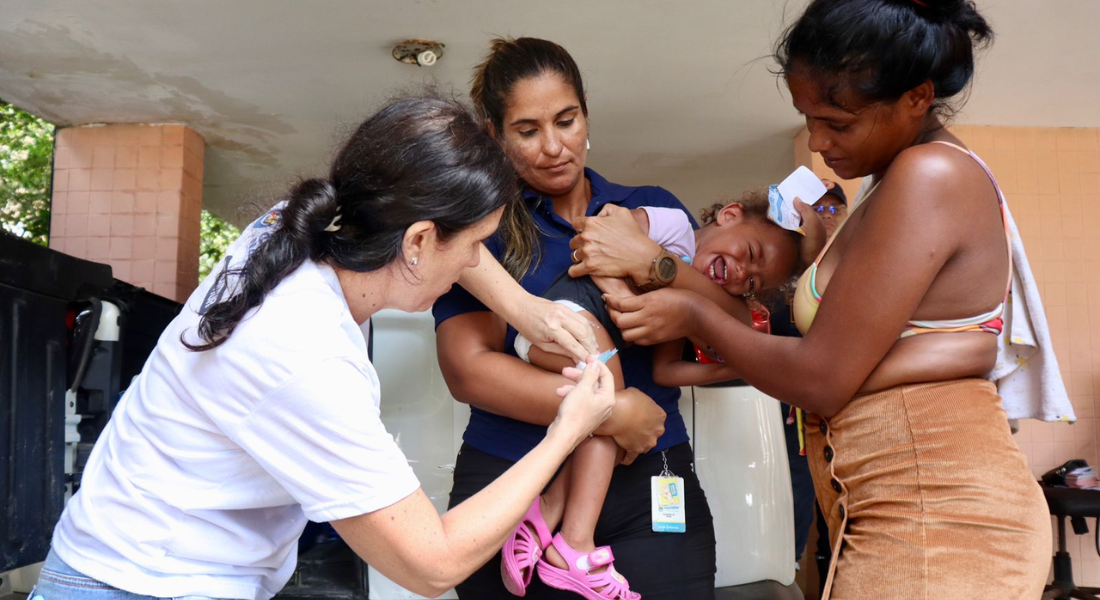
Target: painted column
131,196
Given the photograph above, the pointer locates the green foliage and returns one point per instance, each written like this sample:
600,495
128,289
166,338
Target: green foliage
26,153
215,235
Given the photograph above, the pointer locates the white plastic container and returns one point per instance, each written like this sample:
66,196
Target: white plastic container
741,459
419,413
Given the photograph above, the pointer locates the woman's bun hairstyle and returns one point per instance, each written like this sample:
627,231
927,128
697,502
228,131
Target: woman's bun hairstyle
881,49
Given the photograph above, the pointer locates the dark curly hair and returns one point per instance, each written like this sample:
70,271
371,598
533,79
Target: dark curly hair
754,204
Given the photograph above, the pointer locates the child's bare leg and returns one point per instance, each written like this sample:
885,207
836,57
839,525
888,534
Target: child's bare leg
560,492
594,462
592,465
582,486
552,501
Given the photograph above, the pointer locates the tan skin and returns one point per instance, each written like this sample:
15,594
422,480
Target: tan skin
606,248
737,254
592,462
929,244
550,326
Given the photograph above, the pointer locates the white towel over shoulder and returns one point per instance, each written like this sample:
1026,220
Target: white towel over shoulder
1026,372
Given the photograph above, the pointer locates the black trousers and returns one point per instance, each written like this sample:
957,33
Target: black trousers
658,565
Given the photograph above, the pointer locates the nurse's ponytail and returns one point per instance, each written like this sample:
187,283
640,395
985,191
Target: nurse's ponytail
421,158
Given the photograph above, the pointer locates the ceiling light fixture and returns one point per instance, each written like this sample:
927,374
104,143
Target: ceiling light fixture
422,53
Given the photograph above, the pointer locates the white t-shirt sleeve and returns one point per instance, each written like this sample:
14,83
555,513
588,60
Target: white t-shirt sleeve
321,437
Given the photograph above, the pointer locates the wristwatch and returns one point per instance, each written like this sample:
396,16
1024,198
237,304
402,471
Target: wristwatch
661,272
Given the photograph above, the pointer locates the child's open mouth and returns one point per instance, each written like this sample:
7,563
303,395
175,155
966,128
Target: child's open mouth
719,271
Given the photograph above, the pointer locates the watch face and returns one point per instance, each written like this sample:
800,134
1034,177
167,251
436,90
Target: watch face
666,268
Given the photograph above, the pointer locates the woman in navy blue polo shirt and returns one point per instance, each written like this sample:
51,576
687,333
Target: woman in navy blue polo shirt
531,93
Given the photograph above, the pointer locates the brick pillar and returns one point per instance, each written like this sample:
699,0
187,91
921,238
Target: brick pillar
130,196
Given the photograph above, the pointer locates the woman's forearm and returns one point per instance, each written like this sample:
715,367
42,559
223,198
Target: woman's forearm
478,373
771,361
429,554
506,386
548,325
683,373
687,278
478,527
490,283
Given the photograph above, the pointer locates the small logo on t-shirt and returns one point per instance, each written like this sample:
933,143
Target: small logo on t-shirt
271,219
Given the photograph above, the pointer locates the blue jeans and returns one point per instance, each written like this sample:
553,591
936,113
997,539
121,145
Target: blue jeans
59,581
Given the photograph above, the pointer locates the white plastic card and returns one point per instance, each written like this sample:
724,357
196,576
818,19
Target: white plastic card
802,184
668,504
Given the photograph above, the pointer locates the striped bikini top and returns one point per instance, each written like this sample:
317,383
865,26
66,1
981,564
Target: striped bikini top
807,299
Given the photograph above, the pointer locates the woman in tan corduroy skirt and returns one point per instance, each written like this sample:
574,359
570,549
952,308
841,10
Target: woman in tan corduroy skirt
927,496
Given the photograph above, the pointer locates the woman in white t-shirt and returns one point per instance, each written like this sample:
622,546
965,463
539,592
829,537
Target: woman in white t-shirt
258,408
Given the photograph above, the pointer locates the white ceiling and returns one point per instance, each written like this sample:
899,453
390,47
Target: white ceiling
680,93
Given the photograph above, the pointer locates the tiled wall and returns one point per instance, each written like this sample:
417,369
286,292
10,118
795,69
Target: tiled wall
1051,178
131,196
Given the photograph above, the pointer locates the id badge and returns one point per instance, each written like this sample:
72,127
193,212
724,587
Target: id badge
668,504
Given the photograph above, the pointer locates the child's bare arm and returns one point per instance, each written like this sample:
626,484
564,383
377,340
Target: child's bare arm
683,373
614,286
671,370
556,362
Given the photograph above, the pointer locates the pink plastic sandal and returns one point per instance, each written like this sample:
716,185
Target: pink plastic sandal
608,585
522,551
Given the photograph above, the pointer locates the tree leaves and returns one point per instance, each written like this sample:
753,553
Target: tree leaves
26,156
215,235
